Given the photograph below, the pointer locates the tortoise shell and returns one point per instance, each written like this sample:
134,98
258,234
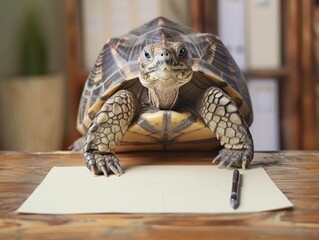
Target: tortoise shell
117,67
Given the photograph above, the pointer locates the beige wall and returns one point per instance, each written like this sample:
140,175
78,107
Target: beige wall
12,15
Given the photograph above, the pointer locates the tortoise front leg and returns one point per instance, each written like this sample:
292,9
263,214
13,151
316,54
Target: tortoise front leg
106,131
223,117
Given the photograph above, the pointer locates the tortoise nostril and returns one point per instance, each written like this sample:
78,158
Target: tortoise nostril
164,53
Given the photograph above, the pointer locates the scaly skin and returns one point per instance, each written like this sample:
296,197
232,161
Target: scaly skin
106,131
222,116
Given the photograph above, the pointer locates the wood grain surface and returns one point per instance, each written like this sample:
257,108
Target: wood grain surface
295,173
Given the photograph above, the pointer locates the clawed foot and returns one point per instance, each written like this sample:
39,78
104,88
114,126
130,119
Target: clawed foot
233,158
103,163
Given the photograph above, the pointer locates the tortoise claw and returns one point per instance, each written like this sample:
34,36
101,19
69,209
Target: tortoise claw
244,164
232,161
119,168
114,170
230,164
103,169
223,161
217,158
93,170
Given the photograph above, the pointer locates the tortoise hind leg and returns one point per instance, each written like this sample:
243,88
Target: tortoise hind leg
106,131
77,145
222,116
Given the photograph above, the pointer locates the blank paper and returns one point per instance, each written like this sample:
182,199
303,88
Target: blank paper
153,189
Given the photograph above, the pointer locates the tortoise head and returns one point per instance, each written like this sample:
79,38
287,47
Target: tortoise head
164,68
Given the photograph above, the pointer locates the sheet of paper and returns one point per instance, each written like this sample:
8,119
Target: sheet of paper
153,189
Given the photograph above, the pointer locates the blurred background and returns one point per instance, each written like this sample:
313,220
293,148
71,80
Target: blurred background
47,49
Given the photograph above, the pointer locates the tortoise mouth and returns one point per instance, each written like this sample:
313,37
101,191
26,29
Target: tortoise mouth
166,76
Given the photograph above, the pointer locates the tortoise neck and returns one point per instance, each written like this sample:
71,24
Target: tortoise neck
163,97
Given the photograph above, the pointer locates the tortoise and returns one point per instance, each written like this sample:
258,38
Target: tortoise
164,86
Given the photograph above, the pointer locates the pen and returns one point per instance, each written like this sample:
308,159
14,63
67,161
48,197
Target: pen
234,197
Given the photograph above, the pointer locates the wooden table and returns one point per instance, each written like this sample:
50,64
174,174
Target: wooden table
295,173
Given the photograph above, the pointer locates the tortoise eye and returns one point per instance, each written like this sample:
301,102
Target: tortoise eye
147,55
182,52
